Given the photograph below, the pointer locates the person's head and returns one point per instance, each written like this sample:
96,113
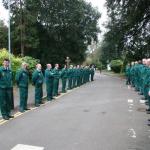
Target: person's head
132,63
136,62
71,66
24,65
144,61
38,66
6,63
78,66
49,66
148,62
139,62
57,66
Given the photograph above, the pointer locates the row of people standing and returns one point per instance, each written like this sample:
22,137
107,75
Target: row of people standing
71,77
138,76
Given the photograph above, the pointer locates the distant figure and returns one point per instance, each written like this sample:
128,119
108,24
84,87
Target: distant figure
49,78
56,75
37,80
92,72
108,67
70,77
6,90
64,75
22,79
68,60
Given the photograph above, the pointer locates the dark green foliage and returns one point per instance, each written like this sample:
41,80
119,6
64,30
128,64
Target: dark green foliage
116,65
31,63
50,30
128,30
3,35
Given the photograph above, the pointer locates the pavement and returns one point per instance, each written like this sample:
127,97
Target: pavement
101,115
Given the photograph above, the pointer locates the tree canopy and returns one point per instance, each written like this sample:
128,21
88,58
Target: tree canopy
50,30
128,30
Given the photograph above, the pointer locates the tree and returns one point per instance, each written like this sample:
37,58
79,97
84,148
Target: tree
3,35
50,30
128,29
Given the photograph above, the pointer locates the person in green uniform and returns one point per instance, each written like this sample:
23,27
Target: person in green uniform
37,80
81,75
147,85
92,72
70,77
74,77
132,74
49,78
78,75
22,80
56,74
127,73
5,90
142,76
64,75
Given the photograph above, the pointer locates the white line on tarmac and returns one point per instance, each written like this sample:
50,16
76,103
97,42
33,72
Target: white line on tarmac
26,147
130,100
142,101
132,133
130,110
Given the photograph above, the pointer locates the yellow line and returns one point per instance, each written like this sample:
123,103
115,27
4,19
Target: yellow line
2,121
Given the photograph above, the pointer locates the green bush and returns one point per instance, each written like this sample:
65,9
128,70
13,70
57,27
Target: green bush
116,65
17,61
31,62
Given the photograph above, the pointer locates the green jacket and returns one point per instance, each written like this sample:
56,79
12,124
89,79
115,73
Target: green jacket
64,73
6,78
92,71
22,78
49,76
56,73
70,73
37,78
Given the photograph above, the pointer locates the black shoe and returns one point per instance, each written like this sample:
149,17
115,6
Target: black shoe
148,119
37,105
5,117
140,93
21,110
148,112
10,116
42,103
143,98
148,109
27,109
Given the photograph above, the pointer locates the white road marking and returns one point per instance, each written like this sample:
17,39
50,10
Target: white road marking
130,100
131,104
129,87
142,101
130,107
132,133
130,110
26,147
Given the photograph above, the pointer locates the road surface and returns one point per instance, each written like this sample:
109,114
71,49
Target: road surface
101,115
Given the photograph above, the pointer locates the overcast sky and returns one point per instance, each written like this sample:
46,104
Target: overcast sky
96,3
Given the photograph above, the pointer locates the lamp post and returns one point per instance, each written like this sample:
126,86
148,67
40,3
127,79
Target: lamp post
9,42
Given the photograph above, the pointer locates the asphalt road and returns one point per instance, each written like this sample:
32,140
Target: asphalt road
101,115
